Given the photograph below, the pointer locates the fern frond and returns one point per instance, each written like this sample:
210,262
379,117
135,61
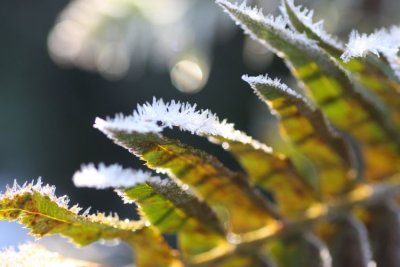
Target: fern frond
332,89
38,208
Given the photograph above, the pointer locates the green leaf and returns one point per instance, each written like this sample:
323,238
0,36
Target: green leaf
36,207
160,201
347,240
300,19
307,128
174,211
301,250
369,70
227,192
329,85
169,207
151,250
277,175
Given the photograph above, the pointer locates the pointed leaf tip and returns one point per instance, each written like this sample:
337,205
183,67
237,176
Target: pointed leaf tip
300,19
306,127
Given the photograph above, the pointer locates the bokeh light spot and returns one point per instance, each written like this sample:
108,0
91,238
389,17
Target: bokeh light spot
188,76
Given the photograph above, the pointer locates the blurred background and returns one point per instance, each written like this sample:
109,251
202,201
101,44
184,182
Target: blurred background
62,63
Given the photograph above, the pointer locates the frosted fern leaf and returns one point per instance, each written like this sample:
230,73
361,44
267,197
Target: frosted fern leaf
156,116
265,79
277,24
45,190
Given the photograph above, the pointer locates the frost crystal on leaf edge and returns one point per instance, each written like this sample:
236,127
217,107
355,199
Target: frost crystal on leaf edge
31,254
156,116
306,17
45,190
112,176
279,23
63,201
276,83
384,42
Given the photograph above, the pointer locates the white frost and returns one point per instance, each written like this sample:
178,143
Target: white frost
384,42
31,254
306,17
278,24
275,83
49,191
112,176
44,190
156,116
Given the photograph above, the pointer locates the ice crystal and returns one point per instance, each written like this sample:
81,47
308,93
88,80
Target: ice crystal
31,254
384,42
113,220
306,17
44,190
276,83
113,176
49,191
156,116
278,24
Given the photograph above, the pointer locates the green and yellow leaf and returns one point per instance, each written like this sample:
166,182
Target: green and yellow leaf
227,192
36,207
367,70
307,128
175,211
277,175
164,204
330,87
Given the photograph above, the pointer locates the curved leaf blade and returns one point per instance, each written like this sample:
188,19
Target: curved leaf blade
36,207
168,206
307,128
174,211
277,175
